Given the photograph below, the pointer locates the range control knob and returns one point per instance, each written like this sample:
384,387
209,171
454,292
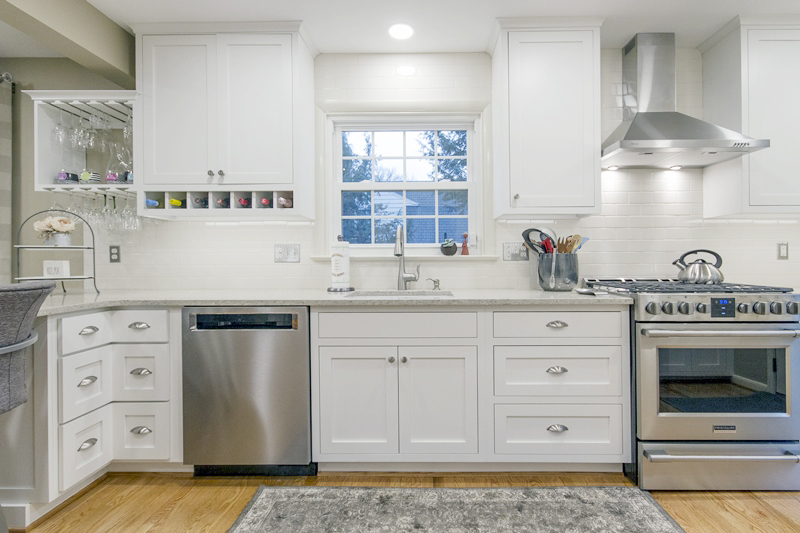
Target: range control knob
651,308
684,308
760,308
743,308
702,308
668,308
792,308
776,308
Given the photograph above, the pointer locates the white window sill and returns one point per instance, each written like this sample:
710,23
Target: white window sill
422,258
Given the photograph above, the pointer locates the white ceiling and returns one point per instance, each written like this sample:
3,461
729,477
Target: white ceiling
359,26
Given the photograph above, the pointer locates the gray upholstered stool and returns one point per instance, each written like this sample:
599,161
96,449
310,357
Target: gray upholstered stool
19,304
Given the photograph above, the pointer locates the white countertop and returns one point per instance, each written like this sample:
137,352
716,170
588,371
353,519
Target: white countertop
59,302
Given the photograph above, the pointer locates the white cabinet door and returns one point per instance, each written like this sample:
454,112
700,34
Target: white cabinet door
179,99
773,88
438,399
255,108
547,128
358,399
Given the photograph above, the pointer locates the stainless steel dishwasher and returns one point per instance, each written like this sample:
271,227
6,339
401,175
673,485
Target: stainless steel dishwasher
246,391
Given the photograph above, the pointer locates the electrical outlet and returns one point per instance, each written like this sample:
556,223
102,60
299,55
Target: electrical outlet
783,250
287,253
114,253
514,251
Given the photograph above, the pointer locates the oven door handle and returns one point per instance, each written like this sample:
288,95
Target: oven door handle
660,456
718,333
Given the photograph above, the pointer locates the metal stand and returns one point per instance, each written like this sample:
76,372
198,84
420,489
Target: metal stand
21,247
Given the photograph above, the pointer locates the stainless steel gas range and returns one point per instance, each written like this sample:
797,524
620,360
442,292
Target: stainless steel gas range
716,381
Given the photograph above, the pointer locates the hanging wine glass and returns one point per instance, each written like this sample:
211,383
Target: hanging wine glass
60,130
55,205
74,206
127,132
91,134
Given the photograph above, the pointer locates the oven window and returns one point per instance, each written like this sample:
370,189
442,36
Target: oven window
722,380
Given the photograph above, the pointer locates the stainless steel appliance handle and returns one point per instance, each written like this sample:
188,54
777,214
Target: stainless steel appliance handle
660,456
718,333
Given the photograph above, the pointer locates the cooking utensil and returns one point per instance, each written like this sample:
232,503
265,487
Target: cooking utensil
582,242
699,271
576,242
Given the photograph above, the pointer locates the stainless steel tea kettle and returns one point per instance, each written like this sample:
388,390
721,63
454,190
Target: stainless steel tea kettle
699,271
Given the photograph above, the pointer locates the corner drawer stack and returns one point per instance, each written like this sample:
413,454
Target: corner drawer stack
561,386
113,390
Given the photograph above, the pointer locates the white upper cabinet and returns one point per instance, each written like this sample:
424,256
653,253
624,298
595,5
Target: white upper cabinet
546,119
227,113
751,81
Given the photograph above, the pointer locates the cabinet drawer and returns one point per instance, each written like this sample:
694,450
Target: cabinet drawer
141,372
84,446
84,382
141,431
82,332
557,324
587,429
419,325
139,325
557,370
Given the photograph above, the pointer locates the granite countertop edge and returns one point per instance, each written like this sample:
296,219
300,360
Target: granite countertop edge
61,303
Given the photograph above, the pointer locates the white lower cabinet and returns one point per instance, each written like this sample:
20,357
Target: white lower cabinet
84,446
141,431
546,429
398,399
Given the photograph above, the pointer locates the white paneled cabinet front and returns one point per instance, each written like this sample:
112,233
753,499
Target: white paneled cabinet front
546,121
750,84
398,399
217,109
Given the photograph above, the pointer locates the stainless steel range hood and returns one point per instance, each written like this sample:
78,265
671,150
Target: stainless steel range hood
653,134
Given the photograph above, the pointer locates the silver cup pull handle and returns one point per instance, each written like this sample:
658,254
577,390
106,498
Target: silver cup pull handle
557,324
557,428
88,443
89,330
139,325
88,380
557,370
141,371
141,430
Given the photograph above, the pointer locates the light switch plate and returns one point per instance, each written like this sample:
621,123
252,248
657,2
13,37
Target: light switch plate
783,250
514,251
287,253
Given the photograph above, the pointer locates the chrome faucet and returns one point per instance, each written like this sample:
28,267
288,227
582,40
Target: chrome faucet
403,277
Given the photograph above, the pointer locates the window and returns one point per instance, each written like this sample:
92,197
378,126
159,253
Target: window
421,178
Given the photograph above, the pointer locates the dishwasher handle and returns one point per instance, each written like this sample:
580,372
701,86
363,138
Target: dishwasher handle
242,321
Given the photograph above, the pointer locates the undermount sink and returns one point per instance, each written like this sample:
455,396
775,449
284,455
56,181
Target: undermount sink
398,294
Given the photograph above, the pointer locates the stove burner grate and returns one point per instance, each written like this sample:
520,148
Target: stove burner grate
666,285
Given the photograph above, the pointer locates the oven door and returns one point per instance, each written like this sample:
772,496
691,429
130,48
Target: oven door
713,382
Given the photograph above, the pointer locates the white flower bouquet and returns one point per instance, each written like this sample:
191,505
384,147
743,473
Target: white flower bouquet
53,225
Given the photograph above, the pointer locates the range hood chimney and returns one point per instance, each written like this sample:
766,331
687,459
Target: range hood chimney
653,134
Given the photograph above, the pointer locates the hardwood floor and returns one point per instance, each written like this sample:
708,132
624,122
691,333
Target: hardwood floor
171,503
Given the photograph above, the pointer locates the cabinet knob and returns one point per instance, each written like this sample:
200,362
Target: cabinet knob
139,325
404,359
556,370
141,372
516,196
557,324
88,443
211,173
141,430
391,359
557,428
221,173
88,380
89,330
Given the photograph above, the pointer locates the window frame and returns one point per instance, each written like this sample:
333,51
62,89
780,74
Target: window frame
406,122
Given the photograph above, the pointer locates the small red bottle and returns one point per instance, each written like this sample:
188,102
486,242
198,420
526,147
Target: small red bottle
464,249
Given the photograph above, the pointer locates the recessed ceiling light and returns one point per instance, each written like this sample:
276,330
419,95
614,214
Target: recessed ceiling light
405,70
401,31
613,167
675,167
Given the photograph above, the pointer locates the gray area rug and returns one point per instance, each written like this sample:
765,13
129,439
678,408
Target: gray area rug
496,510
